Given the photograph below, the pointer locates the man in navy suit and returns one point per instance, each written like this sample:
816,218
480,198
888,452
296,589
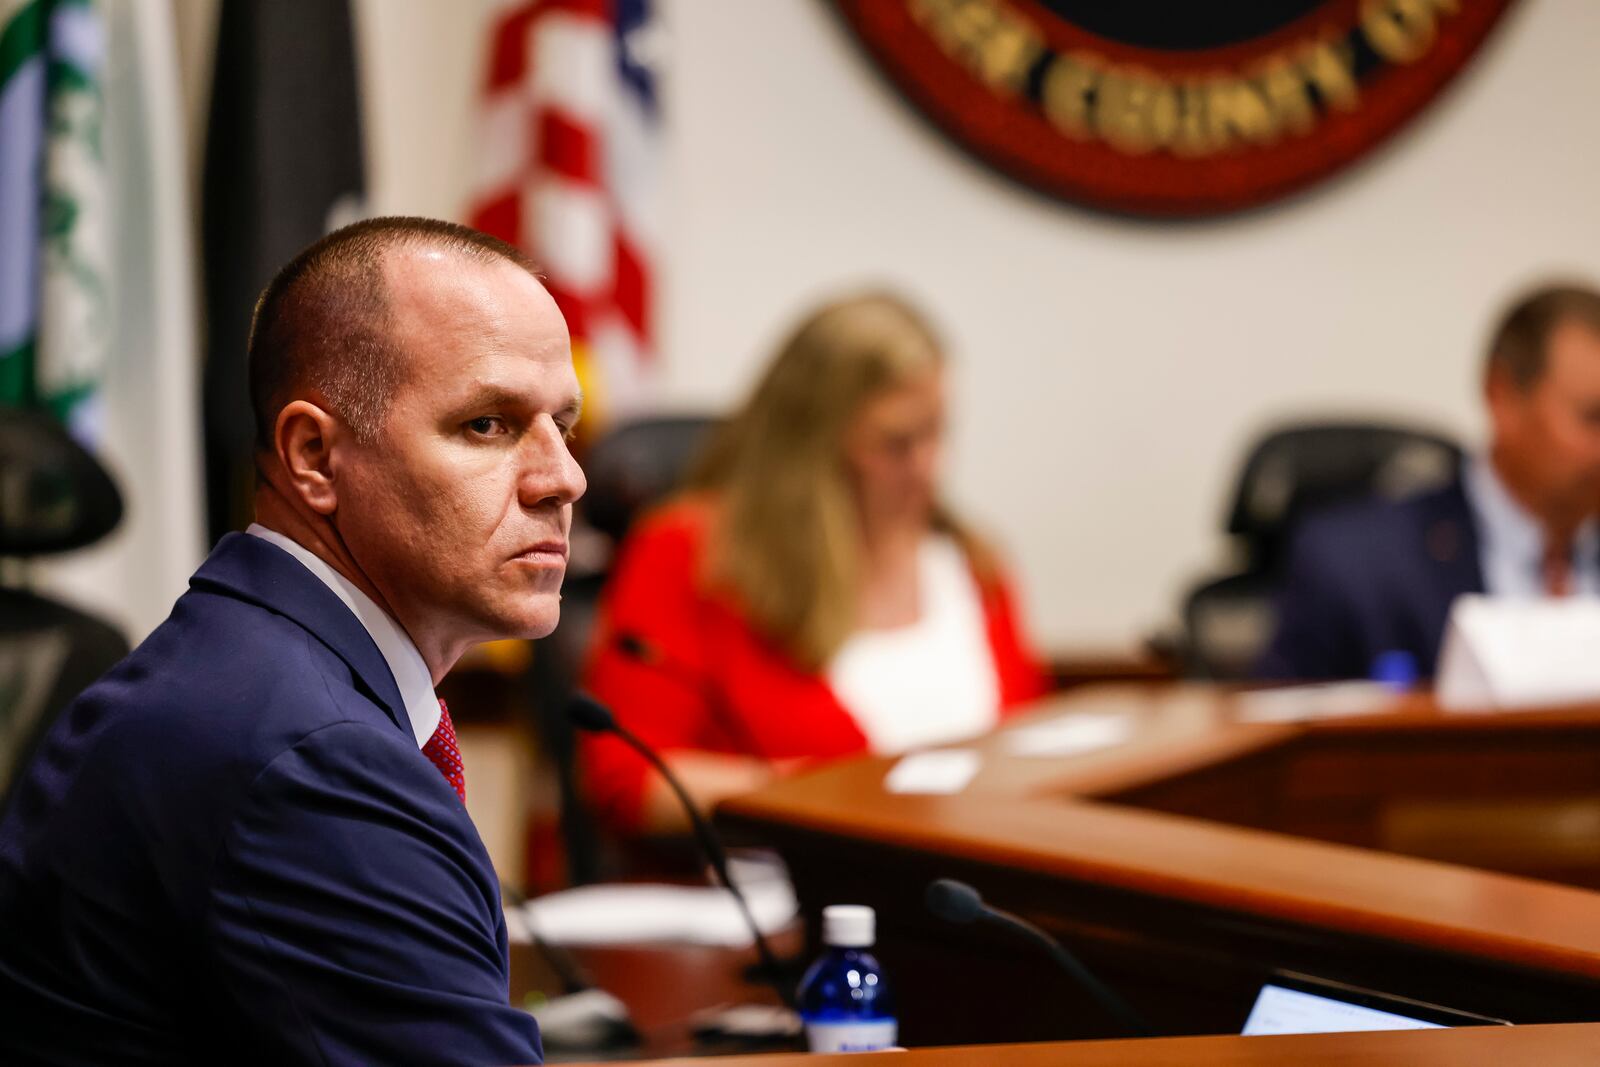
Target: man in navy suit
1379,577
248,842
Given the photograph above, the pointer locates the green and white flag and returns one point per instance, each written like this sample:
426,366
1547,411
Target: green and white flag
98,310
55,313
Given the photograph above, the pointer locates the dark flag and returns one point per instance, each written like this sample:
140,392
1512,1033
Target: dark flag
283,166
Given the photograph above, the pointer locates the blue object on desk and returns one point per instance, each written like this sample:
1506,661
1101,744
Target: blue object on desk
845,1000
1395,669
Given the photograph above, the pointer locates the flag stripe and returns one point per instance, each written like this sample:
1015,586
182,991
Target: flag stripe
632,286
21,39
16,375
508,59
501,216
568,148
569,173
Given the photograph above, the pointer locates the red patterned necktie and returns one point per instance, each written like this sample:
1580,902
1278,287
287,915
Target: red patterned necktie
442,751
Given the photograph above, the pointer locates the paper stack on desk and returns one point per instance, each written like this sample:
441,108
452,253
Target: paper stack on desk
1317,700
936,773
1070,735
1506,652
630,914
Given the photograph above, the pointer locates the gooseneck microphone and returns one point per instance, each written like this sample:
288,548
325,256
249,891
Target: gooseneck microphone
587,713
959,903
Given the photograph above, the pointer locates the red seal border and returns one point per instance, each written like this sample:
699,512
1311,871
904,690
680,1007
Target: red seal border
1013,136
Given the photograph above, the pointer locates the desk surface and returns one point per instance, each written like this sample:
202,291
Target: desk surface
1160,892
1543,1046
1047,815
665,986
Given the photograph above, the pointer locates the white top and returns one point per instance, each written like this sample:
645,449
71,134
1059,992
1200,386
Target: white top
411,675
1511,542
933,681
849,925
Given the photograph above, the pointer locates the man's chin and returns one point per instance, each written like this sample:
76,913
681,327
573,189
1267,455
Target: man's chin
530,625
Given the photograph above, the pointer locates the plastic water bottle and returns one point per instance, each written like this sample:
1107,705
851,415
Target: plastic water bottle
845,1001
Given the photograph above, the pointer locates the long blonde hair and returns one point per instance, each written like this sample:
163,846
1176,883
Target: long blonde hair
787,536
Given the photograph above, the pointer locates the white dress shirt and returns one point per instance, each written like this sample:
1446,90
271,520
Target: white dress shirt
931,682
1511,541
411,675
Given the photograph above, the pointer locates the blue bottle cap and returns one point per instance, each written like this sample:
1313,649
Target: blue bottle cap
1396,669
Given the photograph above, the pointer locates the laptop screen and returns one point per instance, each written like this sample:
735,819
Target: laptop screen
1296,1004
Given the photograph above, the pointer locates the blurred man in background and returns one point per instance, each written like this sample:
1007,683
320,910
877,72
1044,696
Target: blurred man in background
248,843
1519,521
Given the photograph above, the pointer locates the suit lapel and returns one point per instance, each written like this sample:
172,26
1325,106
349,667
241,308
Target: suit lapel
1450,534
261,573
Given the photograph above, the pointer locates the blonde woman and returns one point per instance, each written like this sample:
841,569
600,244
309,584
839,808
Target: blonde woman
807,597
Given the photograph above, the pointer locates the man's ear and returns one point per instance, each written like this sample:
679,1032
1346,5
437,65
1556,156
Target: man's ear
303,438
1503,396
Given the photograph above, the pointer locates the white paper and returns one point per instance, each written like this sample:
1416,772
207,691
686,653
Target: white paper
947,770
1509,652
1322,700
1070,735
630,914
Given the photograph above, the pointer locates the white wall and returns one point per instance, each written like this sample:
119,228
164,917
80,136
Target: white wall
1109,372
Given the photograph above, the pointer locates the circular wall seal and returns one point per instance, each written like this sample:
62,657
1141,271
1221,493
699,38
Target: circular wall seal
1156,108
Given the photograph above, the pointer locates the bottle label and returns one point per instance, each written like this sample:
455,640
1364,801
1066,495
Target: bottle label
856,1035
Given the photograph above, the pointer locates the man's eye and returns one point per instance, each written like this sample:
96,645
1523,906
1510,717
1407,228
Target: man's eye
484,425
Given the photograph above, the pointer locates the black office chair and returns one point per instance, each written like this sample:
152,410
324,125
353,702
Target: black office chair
54,497
1290,473
629,470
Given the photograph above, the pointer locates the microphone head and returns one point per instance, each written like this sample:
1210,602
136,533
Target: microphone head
953,901
587,713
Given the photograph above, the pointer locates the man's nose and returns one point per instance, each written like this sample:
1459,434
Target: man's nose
549,474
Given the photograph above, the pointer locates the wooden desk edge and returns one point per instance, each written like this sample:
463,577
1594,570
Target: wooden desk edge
1564,1045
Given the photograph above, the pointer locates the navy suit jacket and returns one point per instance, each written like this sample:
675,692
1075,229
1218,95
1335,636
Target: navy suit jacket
230,850
1371,578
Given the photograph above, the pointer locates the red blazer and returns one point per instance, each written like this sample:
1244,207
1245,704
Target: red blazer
684,669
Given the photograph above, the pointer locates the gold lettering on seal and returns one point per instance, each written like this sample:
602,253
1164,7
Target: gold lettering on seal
1191,114
987,38
1136,112
1330,68
1402,31
1069,85
1238,111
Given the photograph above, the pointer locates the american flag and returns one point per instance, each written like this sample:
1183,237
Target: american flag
569,167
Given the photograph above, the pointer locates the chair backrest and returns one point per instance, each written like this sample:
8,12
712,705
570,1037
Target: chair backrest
636,465
54,497
49,653
1291,472
1298,469
1227,623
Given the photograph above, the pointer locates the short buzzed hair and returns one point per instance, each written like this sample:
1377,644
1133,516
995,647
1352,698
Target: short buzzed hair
1520,343
323,322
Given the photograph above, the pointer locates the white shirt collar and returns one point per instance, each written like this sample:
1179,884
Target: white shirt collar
1512,540
411,675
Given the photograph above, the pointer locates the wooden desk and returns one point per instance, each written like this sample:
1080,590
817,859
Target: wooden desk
1074,668
1533,1046
665,986
1183,866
